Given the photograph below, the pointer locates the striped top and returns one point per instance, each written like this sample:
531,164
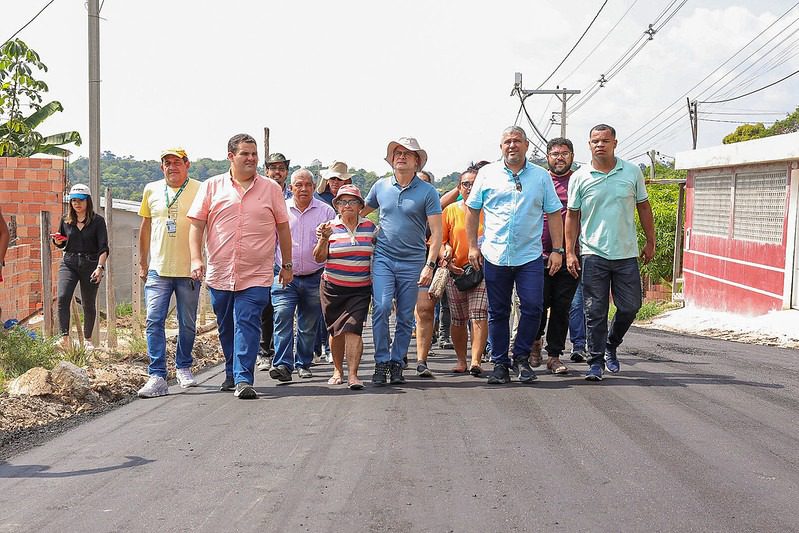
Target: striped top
349,255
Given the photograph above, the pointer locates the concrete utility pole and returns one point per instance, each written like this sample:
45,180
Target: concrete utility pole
652,154
693,116
94,98
562,94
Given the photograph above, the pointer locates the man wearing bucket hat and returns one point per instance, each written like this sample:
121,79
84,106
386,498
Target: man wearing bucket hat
402,268
165,264
332,178
277,168
240,214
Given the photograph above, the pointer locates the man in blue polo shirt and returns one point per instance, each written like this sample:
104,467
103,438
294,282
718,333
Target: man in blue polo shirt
514,194
402,268
603,199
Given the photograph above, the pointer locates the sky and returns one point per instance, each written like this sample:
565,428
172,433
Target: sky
339,80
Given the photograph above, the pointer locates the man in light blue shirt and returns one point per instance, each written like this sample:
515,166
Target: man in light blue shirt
513,195
603,199
402,268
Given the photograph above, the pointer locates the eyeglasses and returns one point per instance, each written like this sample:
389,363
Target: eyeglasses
275,168
467,184
336,178
350,203
559,155
403,153
517,182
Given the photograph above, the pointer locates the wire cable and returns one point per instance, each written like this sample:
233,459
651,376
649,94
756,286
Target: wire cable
29,22
755,91
575,44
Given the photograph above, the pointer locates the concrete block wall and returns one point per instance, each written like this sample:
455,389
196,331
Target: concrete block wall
27,187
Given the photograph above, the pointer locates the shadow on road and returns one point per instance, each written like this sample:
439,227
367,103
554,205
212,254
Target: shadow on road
8,470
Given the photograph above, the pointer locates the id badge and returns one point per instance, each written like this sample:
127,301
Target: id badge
171,226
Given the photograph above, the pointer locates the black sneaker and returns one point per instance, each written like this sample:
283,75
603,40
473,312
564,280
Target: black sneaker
244,391
578,356
379,377
422,371
280,373
446,344
500,375
524,372
228,385
395,373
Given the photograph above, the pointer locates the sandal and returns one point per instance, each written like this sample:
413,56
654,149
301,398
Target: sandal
355,385
335,380
475,370
459,370
535,355
556,367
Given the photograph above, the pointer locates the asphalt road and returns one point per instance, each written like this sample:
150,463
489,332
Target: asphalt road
693,435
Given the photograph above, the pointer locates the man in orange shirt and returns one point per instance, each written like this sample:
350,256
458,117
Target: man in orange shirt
241,213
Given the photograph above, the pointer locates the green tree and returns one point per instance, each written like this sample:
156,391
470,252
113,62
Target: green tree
746,132
789,124
19,89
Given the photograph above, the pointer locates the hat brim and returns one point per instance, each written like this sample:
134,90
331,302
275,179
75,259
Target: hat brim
327,174
78,196
393,146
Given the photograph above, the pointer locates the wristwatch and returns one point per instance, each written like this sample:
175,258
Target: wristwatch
561,251
431,264
101,266
287,266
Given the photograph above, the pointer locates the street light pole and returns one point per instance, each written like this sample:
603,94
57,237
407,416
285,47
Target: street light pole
94,98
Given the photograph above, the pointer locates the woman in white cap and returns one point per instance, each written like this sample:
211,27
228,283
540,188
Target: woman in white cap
84,238
346,244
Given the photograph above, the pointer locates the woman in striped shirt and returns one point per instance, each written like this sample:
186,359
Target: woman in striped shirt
346,244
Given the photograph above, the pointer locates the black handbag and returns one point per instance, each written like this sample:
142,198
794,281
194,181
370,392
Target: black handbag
470,278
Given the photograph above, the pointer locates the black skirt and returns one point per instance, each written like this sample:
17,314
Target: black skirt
344,308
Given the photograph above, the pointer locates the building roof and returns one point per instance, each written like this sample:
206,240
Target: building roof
124,205
769,149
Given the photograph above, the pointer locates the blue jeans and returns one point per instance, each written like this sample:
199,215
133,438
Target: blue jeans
529,281
601,277
158,292
393,280
577,320
300,296
238,319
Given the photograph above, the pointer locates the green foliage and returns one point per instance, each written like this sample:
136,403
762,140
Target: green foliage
77,355
650,310
124,309
19,352
663,199
747,132
18,89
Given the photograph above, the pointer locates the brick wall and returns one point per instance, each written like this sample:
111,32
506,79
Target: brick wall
27,187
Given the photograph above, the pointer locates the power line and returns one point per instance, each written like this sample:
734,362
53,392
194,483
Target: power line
730,121
755,91
29,22
575,45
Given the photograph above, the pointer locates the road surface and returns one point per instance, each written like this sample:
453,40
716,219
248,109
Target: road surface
693,435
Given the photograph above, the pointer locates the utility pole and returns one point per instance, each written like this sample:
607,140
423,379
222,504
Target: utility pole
562,94
693,116
652,154
94,98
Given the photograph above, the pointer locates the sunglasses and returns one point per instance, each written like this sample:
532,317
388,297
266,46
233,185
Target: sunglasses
336,178
467,184
517,182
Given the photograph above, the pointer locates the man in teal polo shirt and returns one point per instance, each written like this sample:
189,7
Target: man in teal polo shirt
603,198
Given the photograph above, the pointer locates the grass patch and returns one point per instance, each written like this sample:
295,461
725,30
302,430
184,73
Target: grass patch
650,310
125,309
19,352
77,355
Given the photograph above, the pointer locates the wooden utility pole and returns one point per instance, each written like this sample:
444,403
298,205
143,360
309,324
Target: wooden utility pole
136,284
110,300
94,96
266,147
562,94
47,275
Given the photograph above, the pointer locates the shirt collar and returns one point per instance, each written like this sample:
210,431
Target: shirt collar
412,183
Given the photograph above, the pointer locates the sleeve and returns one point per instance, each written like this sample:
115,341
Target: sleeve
201,204
475,200
144,208
575,201
279,206
641,195
102,235
371,197
552,202
432,202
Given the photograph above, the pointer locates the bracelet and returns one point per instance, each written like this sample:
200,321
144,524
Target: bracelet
101,266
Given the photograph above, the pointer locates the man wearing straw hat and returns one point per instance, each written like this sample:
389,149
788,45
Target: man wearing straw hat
402,269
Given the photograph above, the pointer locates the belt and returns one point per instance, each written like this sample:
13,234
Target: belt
84,255
315,272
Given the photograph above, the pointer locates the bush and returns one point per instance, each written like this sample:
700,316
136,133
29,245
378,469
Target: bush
19,352
663,199
124,309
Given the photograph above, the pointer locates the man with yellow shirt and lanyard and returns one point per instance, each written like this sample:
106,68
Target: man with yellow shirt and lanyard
165,264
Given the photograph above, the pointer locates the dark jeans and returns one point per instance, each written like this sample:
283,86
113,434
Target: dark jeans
267,330
77,268
558,293
601,277
443,317
577,321
529,281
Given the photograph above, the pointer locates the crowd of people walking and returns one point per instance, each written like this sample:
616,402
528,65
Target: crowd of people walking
293,265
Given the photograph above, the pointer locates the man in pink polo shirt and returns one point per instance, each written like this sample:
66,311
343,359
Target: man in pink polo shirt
240,213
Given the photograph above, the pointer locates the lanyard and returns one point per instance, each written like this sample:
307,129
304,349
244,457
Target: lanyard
177,194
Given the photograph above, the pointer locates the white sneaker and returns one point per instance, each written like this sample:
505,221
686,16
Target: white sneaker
328,356
185,378
89,346
155,386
